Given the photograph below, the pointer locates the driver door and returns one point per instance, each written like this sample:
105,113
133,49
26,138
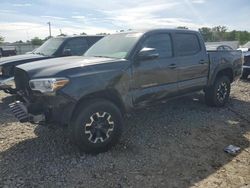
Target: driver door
154,79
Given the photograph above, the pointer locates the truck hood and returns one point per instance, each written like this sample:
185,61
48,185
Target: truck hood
14,60
71,66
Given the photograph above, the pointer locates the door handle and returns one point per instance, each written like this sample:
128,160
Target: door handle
172,66
202,62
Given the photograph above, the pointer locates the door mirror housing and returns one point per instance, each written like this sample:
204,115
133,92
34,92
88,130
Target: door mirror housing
147,54
67,52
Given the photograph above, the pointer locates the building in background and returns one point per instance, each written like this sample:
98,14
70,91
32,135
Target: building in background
214,45
9,49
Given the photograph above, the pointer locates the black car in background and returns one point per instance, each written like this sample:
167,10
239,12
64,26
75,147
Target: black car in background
246,64
52,48
7,51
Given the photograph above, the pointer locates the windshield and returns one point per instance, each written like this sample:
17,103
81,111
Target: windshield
49,47
114,46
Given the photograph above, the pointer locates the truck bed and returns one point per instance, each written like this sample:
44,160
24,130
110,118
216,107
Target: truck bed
219,59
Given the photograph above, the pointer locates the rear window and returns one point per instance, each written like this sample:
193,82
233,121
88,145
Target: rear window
77,46
187,44
93,39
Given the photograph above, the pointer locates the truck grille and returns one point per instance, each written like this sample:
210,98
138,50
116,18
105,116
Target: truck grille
21,80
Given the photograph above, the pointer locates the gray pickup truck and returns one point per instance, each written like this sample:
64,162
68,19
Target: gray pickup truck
119,73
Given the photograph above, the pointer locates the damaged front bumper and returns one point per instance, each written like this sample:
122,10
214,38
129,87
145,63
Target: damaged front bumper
20,111
41,109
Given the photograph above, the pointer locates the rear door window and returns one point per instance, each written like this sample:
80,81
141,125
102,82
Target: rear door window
187,44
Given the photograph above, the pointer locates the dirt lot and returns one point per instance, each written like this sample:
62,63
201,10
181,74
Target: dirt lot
178,144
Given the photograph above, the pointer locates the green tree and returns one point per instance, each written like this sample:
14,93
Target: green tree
62,35
47,38
218,33
232,35
20,41
102,33
1,39
206,32
182,27
36,41
243,37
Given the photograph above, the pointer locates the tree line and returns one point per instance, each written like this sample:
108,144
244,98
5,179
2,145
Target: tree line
213,34
1,39
221,33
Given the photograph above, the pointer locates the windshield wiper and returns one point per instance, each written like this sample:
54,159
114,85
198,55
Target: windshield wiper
40,53
101,56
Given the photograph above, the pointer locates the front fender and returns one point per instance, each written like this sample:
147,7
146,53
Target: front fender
86,85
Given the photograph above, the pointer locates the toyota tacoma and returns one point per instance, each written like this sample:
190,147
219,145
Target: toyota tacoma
120,73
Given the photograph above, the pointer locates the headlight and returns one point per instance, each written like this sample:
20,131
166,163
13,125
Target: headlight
48,85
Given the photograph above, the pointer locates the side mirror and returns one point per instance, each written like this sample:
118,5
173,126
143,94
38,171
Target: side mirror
67,52
147,53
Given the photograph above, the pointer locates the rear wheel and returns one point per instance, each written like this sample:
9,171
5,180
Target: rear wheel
218,94
97,126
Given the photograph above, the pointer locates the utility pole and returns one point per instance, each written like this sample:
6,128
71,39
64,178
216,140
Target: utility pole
49,29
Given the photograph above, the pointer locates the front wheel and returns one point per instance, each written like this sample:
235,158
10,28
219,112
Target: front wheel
96,126
218,94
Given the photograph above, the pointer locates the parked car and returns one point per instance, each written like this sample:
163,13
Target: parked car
8,51
246,64
52,48
118,74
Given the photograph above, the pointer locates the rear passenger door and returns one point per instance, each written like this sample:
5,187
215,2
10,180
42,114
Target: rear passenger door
155,79
77,46
192,62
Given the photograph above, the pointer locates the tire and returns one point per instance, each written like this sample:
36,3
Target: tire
218,94
96,126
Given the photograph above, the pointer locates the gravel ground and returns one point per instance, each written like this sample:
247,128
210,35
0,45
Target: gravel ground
178,144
